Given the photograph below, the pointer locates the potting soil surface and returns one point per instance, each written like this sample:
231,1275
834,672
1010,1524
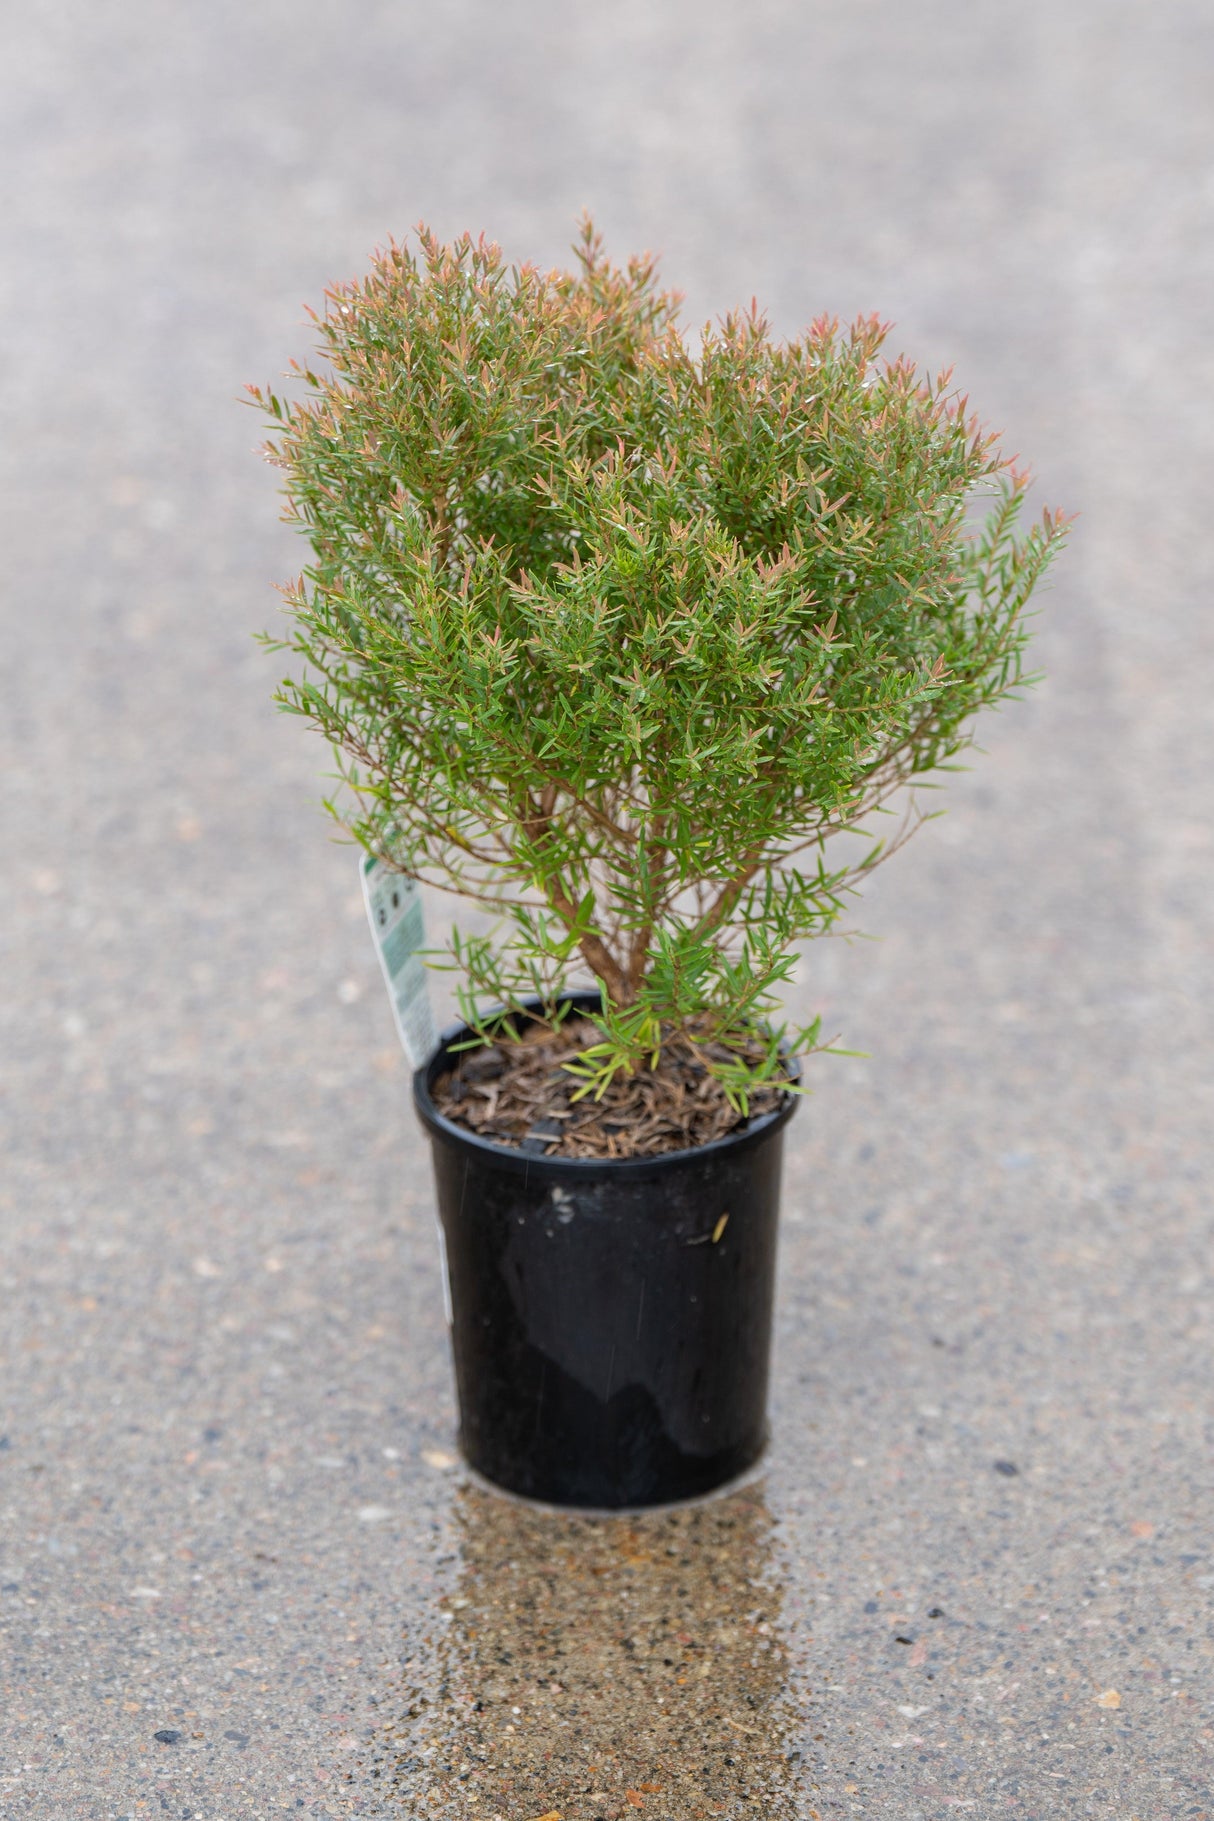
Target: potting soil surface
521,1093
242,1573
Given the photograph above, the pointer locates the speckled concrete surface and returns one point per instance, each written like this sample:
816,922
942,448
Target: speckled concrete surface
229,1513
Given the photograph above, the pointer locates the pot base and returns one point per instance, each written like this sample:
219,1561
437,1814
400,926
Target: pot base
727,1489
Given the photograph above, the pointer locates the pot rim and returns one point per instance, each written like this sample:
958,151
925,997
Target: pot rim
582,1169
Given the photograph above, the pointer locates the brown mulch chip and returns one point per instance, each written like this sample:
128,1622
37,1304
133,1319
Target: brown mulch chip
517,1092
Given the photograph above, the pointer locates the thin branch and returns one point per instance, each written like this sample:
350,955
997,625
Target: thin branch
729,894
536,825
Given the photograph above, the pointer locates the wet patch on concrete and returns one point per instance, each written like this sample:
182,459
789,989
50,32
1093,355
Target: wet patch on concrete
598,1667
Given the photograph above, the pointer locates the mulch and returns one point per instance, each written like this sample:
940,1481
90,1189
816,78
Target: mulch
518,1093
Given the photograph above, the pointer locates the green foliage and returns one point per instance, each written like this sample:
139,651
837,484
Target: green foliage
625,637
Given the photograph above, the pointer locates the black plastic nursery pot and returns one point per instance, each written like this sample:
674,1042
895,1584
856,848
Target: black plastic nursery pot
610,1320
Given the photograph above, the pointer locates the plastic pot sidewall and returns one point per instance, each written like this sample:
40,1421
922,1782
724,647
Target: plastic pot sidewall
609,1350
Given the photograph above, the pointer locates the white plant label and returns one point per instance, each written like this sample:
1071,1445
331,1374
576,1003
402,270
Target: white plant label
394,911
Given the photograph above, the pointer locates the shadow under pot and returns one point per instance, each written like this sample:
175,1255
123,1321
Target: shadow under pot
611,1332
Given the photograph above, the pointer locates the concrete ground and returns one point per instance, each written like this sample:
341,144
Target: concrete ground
242,1574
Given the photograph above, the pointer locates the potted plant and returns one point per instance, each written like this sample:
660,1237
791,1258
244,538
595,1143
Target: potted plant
628,639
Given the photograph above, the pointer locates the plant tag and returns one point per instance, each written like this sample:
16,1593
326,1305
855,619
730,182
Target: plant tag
394,911
446,1270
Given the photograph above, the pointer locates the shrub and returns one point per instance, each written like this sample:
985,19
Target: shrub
628,637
